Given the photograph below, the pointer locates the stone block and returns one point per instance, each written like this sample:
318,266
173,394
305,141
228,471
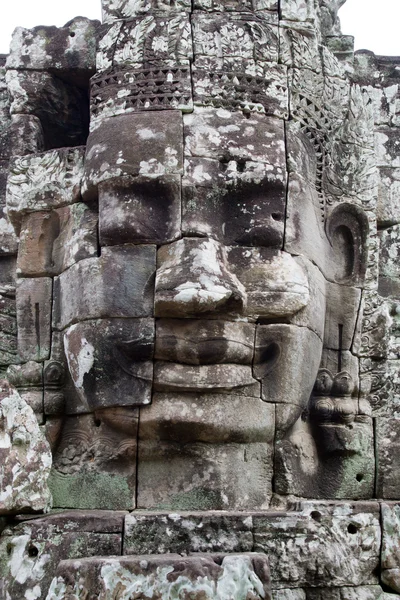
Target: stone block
8,328
25,456
124,9
275,283
387,147
200,342
245,36
140,210
388,207
111,361
207,418
94,459
297,10
364,592
119,283
235,5
233,201
286,362
32,549
184,533
34,317
204,476
389,272
313,314
115,48
343,305
50,242
387,431
141,90
43,181
391,545
71,48
153,577
193,279
26,135
28,380
299,43
322,545
229,135
112,148
304,225
253,86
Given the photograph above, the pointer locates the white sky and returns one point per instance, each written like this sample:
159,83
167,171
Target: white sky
375,25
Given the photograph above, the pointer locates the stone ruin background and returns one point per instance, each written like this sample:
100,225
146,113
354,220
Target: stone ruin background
199,306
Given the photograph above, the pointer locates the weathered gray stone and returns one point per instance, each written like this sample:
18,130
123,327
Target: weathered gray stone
25,456
193,278
184,533
196,342
34,317
28,379
323,543
110,361
94,463
87,289
43,181
211,452
112,148
32,549
61,107
388,456
279,364
242,575
390,545
50,242
70,49
140,210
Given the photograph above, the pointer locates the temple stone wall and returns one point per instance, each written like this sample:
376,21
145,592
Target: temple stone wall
199,306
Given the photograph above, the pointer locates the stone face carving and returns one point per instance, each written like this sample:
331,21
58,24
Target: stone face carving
199,303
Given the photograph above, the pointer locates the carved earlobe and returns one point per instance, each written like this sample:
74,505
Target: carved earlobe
347,230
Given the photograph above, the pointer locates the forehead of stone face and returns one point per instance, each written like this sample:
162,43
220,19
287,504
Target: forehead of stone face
144,143
232,135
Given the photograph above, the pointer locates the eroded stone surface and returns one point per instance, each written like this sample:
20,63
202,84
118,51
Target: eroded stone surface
154,576
26,457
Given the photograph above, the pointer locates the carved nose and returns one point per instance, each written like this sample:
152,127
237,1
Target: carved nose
193,278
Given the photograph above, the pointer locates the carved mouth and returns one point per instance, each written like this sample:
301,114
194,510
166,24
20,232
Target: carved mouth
204,342
170,377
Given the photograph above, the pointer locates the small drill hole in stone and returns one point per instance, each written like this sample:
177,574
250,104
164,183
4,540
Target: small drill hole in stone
276,216
359,477
97,422
352,529
33,551
316,515
72,34
241,166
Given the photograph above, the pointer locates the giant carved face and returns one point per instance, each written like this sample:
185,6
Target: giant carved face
204,307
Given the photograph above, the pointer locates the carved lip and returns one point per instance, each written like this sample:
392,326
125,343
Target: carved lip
204,342
170,377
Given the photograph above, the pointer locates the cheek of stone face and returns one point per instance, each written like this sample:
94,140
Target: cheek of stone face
111,361
276,285
286,362
139,210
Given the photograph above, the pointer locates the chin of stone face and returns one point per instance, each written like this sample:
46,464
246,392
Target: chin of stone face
199,291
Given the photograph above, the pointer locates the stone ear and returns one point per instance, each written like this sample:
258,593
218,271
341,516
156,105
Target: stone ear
347,231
